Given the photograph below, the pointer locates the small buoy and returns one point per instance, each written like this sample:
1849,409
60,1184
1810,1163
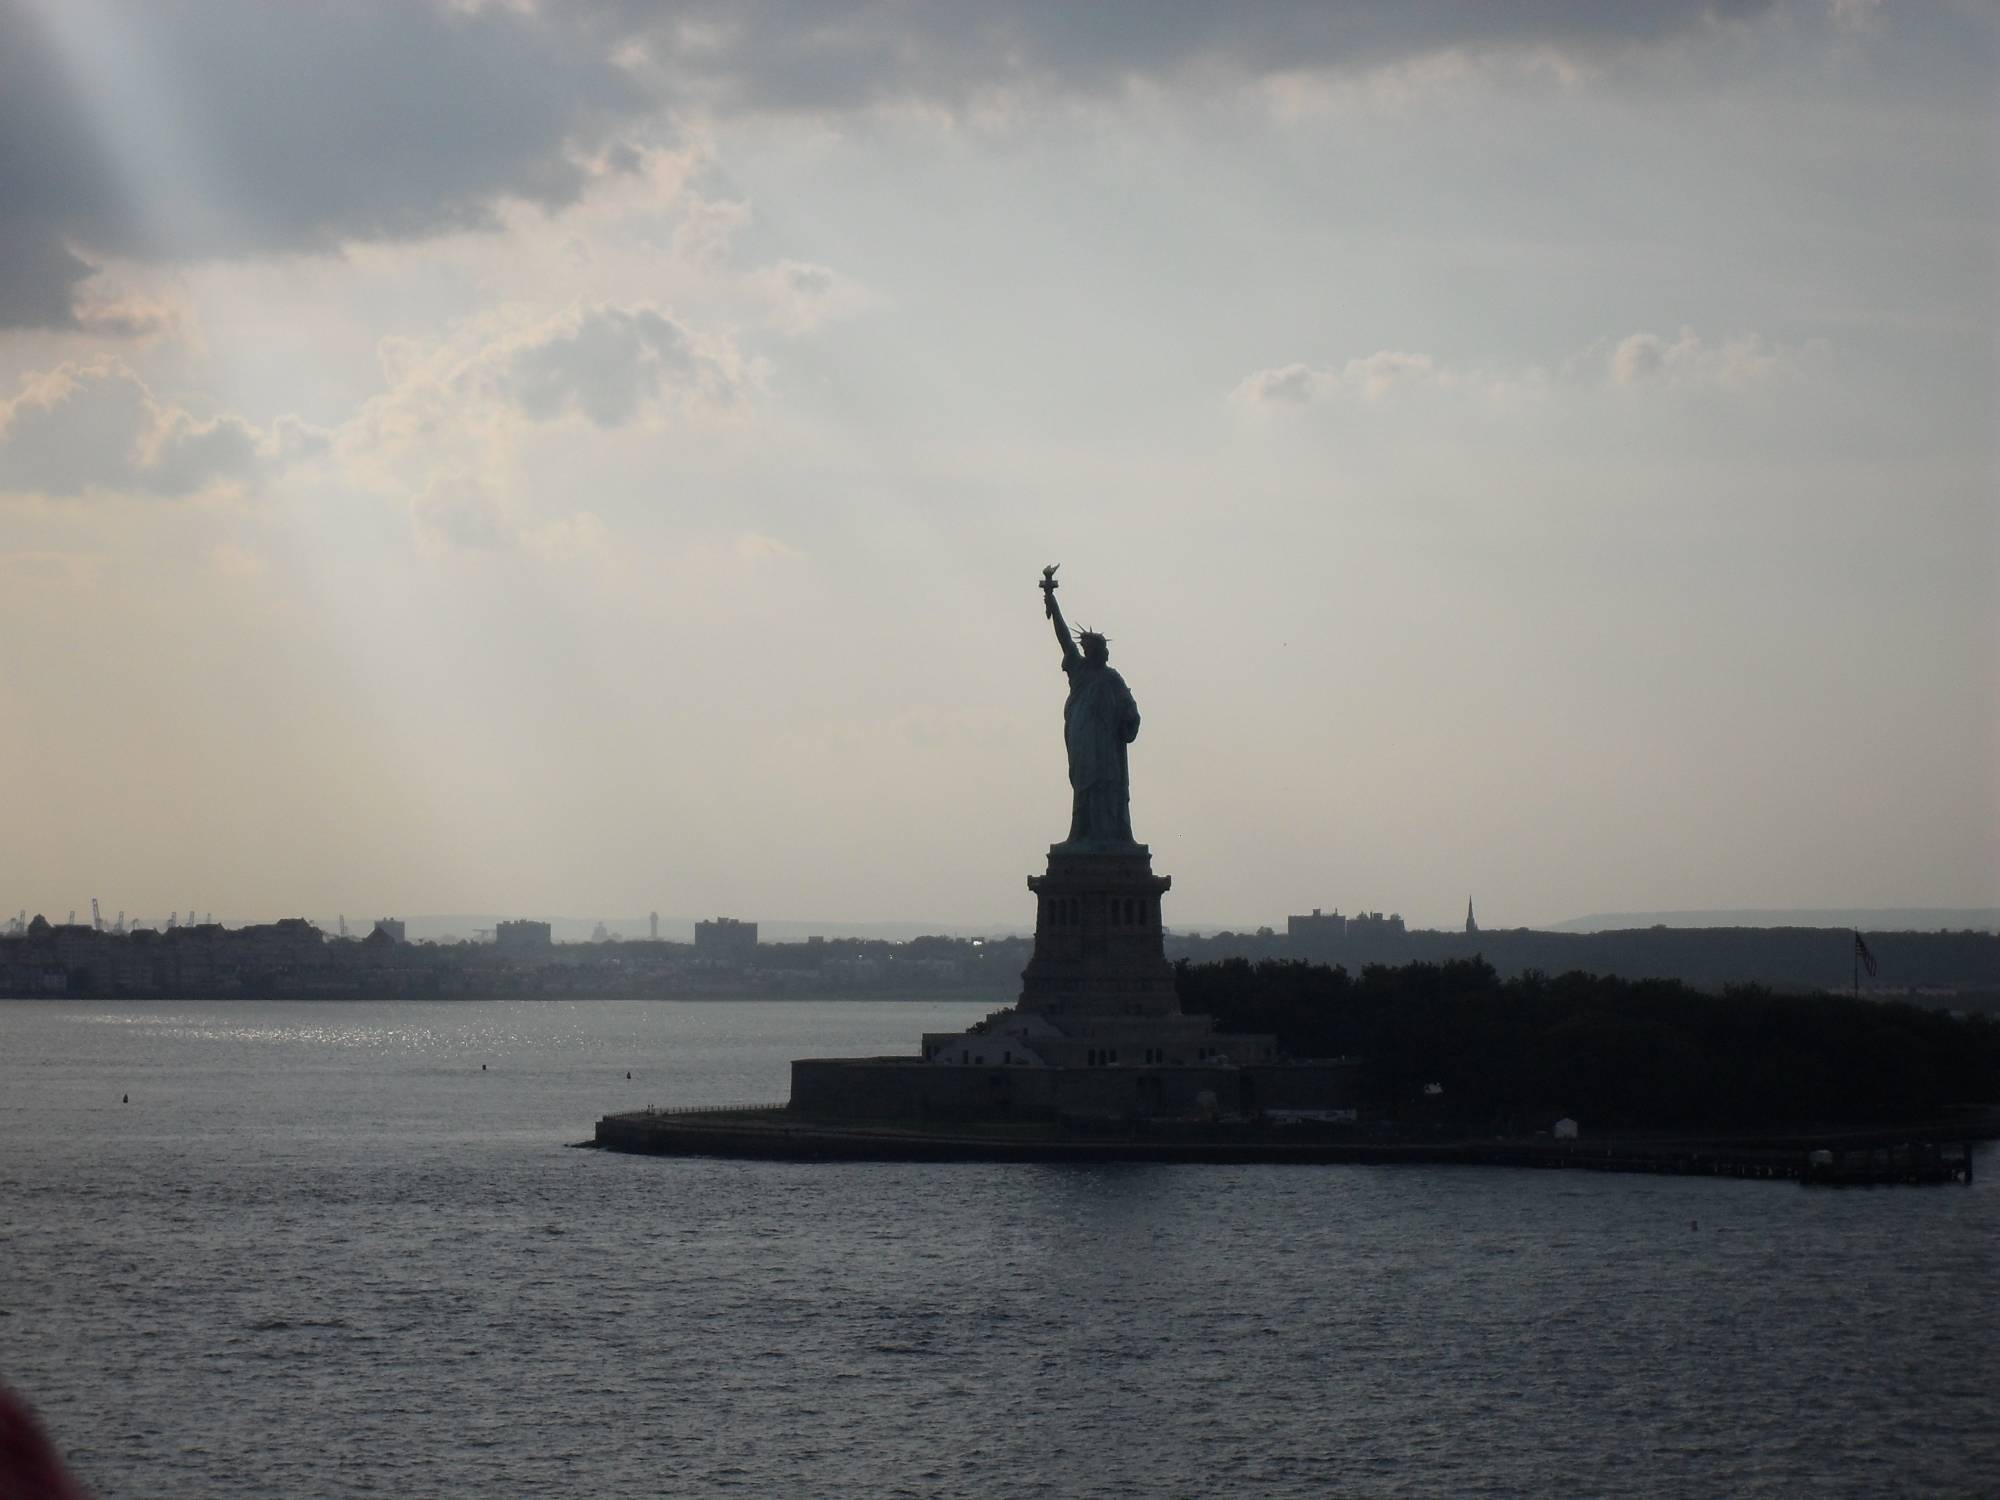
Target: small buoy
482,1067
1694,1223
628,1073
125,1099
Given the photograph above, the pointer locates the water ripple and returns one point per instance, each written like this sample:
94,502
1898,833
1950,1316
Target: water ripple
323,1253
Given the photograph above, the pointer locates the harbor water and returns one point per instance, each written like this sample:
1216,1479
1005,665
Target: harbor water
344,1248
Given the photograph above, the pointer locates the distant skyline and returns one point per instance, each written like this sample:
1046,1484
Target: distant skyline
528,458
478,926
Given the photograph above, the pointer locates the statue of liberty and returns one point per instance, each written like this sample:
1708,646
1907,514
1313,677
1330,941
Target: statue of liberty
1099,721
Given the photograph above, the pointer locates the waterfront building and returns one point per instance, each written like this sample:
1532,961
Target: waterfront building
77,959
726,940
522,938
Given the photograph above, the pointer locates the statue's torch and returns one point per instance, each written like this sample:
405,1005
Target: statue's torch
1049,588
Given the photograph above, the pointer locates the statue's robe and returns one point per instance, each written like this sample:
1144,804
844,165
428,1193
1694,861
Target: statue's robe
1099,721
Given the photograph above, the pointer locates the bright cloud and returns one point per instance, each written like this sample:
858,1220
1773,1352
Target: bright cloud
1687,359
1370,377
1633,362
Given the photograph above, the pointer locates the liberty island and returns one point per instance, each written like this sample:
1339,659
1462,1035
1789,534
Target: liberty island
1097,1059
1097,1044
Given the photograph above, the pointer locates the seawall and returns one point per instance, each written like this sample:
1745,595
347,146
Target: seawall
1899,1155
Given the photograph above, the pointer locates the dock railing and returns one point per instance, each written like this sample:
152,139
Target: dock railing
735,1107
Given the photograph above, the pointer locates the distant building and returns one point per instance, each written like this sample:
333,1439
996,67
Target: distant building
654,923
1470,924
725,939
392,928
522,937
1374,924
1320,927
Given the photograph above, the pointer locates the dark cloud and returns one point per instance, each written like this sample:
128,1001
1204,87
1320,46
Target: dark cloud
186,454
215,128
816,55
456,511
607,363
97,427
230,127
72,430
38,277
807,280
131,318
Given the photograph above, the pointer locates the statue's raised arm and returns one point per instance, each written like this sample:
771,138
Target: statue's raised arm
1054,611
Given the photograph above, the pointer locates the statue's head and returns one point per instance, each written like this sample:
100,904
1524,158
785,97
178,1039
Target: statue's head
1096,649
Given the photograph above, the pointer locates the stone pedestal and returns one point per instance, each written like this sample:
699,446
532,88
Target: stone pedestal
1098,938
1098,1030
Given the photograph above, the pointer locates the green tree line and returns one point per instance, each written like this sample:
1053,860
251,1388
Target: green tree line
1514,1054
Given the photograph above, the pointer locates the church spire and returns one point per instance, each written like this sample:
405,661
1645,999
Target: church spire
1470,924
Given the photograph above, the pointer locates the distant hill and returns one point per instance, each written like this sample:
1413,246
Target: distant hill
1862,918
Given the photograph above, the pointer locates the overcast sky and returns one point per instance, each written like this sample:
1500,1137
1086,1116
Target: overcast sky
598,457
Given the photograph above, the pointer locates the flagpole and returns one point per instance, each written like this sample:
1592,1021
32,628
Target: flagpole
1857,963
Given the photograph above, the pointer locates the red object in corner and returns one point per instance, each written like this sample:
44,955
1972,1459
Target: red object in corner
29,1466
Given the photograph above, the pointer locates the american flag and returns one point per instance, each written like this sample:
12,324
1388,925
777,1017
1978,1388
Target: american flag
1861,952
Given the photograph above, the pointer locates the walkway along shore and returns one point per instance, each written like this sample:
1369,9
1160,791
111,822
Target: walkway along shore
1938,1151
